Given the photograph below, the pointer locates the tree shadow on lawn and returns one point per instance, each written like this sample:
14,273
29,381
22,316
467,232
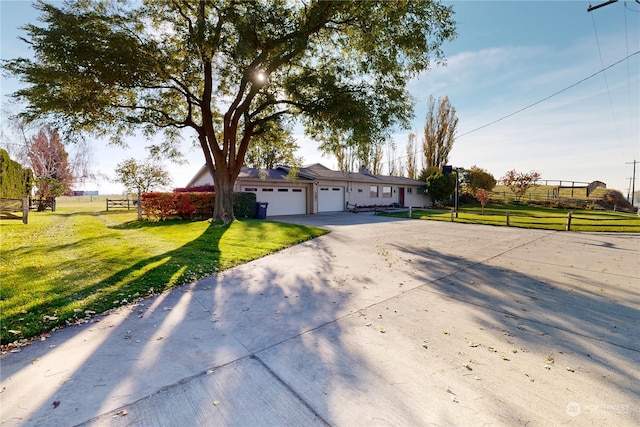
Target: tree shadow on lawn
196,259
209,332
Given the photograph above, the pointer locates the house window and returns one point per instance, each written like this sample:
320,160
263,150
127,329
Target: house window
335,189
250,189
373,191
283,190
297,190
386,192
268,189
409,190
419,190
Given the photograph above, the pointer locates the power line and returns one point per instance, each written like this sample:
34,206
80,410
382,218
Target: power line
606,81
417,151
548,97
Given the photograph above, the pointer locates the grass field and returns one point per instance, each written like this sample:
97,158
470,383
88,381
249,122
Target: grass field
67,265
536,217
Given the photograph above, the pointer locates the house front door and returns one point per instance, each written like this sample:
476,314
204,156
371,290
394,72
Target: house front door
401,196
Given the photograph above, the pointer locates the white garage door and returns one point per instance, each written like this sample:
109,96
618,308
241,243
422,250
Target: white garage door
330,199
282,200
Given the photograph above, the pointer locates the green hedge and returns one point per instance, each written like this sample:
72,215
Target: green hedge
244,205
15,181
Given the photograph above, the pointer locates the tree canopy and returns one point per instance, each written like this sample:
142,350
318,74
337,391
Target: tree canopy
225,69
275,146
477,178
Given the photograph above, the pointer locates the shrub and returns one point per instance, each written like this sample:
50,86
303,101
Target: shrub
158,206
15,182
244,205
196,189
193,205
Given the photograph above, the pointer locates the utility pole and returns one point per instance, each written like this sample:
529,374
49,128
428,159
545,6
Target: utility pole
633,181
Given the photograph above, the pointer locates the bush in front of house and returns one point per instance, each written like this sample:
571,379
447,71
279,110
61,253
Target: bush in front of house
244,205
193,205
196,189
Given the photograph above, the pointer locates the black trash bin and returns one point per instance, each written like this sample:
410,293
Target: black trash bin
261,210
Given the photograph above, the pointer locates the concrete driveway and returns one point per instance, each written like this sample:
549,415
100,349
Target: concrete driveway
380,322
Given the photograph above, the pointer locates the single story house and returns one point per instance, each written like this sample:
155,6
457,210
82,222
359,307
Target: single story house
320,189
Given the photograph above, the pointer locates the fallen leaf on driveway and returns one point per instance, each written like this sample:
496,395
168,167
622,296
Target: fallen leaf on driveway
56,403
122,413
503,357
570,369
473,344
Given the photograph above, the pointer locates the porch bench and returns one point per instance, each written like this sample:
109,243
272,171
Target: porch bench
367,208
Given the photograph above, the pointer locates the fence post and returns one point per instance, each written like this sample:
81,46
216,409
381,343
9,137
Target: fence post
568,221
508,219
452,211
107,205
410,213
25,210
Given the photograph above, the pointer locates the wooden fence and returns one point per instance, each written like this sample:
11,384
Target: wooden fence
10,207
118,203
568,221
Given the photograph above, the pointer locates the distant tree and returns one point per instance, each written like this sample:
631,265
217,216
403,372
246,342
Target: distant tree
225,68
272,147
440,186
141,177
482,196
396,168
477,178
17,136
50,163
520,182
412,167
439,133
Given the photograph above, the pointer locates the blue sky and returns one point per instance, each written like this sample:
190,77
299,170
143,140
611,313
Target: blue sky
508,55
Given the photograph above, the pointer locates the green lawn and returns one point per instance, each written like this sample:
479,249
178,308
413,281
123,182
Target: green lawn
536,217
65,266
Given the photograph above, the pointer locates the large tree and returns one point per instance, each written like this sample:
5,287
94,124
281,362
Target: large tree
439,133
226,68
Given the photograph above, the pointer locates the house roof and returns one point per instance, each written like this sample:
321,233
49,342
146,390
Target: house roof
272,174
316,172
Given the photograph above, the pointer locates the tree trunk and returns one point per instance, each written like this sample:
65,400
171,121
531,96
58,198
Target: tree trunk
223,210
139,205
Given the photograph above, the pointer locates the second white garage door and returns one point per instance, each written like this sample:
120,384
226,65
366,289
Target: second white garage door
330,199
282,200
